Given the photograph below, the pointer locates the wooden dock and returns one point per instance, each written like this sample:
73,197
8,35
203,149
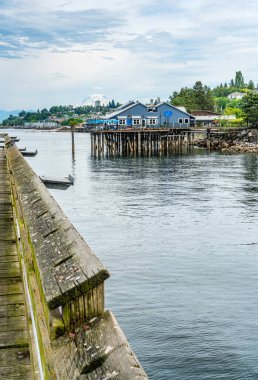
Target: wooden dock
14,337
140,142
53,323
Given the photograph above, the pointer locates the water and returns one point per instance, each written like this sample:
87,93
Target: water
179,237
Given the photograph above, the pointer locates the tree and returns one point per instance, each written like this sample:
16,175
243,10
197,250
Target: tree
203,97
249,105
251,85
22,114
221,103
197,98
234,111
185,97
74,121
239,80
209,100
199,94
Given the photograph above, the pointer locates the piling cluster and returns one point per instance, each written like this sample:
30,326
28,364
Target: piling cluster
140,142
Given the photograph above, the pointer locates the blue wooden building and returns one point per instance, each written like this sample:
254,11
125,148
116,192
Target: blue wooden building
136,114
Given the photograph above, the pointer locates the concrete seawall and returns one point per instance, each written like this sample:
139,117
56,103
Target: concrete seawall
72,336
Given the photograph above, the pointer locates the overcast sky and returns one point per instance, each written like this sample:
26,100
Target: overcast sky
58,52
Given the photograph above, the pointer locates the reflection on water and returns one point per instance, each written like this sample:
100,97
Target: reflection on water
179,237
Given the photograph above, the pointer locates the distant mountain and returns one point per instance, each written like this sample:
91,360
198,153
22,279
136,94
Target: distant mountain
5,114
95,100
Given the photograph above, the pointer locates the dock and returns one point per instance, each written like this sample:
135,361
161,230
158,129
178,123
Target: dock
29,153
53,321
57,183
15,349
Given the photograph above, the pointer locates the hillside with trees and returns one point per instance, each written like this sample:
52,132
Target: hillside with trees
202,97
62,115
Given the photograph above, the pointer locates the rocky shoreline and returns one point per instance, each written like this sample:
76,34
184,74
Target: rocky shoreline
245,141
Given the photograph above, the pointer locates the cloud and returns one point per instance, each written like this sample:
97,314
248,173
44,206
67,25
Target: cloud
21,32
136,49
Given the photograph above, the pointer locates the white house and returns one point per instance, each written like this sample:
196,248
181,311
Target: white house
236,95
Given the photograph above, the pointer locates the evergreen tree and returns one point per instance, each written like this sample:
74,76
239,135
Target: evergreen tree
249,104
185,97
203,97
209,101
239,80
251,85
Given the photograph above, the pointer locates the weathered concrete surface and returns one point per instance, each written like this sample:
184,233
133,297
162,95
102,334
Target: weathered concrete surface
14,338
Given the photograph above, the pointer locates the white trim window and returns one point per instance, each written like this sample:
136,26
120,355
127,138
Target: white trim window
186,121
122,121
180,121
152,121
136,121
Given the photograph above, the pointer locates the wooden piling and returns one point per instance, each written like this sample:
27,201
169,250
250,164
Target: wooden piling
135,142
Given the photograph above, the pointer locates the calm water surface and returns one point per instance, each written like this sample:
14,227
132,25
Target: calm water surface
179,237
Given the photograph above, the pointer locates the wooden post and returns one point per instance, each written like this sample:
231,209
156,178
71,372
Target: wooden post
208,138
73,145
139,143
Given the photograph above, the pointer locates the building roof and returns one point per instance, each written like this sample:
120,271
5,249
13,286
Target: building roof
131,104
121,109
182,108
204,118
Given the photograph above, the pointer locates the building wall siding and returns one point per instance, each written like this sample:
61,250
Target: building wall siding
143,112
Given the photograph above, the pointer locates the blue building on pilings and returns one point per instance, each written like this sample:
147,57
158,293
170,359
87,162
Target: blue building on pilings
139,115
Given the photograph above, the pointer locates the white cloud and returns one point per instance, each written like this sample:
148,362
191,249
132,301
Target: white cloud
57,52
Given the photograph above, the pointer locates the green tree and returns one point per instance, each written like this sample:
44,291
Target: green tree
249,105
200,96
203,97
221,104
239,80
251,85
197,98
186,98
234,111
74,121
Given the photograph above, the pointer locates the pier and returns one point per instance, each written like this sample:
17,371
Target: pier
52,313
137,142
14,329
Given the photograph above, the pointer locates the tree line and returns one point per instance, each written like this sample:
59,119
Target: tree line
67,112
202,97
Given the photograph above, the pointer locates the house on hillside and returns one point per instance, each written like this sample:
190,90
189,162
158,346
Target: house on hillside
136,114
236,95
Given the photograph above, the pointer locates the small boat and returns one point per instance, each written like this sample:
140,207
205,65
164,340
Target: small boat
22,149
29,153
58,183
14,138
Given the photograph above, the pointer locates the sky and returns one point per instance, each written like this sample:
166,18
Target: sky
57,52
